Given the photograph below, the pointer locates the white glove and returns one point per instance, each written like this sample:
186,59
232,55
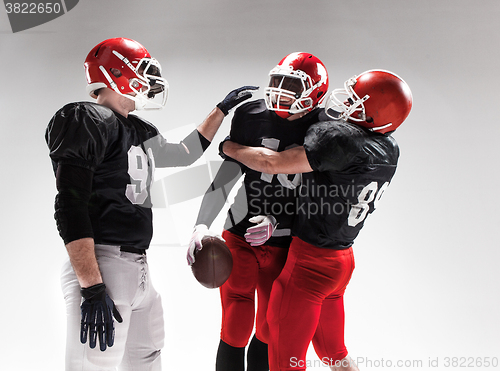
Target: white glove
200,231
258,235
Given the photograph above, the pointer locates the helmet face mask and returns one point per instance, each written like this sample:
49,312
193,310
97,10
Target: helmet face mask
297,84
294,85
284,93
147,84
126,67
346,104
376,99
150,70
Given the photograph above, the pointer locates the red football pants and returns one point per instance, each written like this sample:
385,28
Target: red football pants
254,268
307,304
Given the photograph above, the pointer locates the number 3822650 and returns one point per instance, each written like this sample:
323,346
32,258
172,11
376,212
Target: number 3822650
475,362
32,8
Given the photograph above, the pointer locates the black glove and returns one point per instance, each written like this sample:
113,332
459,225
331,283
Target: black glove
97,317
236,97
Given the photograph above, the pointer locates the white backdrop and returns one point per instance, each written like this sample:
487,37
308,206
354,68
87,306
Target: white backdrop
426,281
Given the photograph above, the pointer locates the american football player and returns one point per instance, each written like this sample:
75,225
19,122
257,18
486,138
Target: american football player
347,163
104,158
258,225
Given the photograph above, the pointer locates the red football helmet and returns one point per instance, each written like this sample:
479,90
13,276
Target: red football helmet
126,66
378,100
298,84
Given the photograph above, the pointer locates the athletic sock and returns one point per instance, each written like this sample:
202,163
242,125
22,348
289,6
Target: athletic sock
257,357
230,358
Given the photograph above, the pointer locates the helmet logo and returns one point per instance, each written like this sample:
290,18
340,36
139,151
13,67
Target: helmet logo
322,72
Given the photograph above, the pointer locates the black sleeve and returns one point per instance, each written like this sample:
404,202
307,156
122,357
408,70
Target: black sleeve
240,126
196,143
78,134
237,134
175,154
326,148
216,195
74,184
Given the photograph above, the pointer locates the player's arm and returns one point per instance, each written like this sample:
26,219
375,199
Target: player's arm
216,195
290,161
211,124
82,257
74,149
192,147
213,202
74,184
208,128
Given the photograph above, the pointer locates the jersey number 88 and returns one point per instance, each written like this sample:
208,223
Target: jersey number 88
368,194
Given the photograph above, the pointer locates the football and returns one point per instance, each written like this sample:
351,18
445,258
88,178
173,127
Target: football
213,263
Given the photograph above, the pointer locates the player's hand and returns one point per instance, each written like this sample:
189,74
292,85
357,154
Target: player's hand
258,235
200,231
235,97
98,311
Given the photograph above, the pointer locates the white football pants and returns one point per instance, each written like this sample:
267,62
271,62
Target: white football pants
139,338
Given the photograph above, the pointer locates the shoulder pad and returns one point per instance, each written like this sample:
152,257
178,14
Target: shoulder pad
144,121
78,133
252,107
84,110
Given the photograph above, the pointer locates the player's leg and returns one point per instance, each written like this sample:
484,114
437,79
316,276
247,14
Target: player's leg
309,276
230,358
291,323
79,356
145,341
257,355
146,333
328,340
238,304
271,261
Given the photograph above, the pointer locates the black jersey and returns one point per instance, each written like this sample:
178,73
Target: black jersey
121,153
352,168
262,194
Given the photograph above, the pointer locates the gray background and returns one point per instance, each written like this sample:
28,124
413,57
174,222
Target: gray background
426,281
